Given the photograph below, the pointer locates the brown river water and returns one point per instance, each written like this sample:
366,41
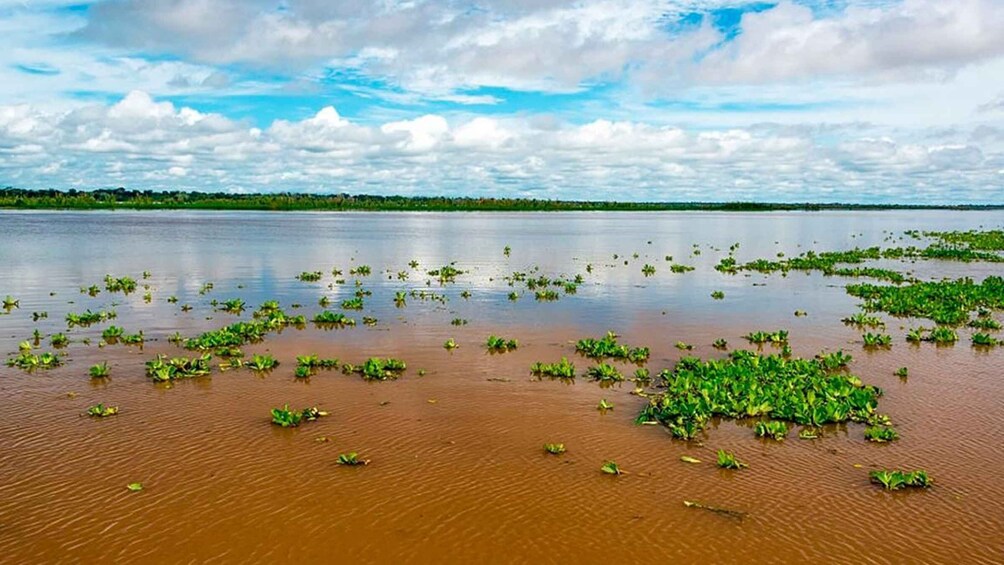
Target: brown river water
457,471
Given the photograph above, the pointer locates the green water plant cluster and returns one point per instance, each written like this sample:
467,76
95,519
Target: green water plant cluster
728,460
87,318
446,273
266,320
377,369
775,337
604,373
287,418
120,284
310,276
333,319
751,385
307,365
947,302
608,347
563,369
895,480
28,361
496,344
102,411
163,369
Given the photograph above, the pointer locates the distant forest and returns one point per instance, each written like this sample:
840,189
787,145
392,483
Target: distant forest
103,199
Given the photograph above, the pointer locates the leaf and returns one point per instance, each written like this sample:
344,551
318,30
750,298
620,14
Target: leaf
135,487
689,459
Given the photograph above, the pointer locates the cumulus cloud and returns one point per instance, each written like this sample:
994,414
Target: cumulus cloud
442,46
140,142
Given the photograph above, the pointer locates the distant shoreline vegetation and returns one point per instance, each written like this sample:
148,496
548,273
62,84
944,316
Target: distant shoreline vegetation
121,198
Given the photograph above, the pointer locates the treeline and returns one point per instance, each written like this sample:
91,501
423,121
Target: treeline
168,200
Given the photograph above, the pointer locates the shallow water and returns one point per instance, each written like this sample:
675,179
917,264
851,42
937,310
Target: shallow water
457,472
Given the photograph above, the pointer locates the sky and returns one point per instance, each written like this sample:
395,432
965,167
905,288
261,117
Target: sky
873,101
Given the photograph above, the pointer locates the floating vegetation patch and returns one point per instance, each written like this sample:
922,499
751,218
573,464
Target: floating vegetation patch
123,284
604,373
287,418
446,273
776,337
563,369
608,347
99,371
351,459
554,448
946,302
28,361
895,480
772,429
333,319
102,411
751,385
874,341
87,318
307,365
163,369
728,460
310,276
377,369
496,344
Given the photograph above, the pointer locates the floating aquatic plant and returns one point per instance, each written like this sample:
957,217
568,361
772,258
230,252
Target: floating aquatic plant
351,460
611,468
332,319
772,429
984,340
496,344
28,361
554,448
778,337
607,346
895,480
563,369
99,371
605,405
262,363
881,434
747,384
102,411
59,340
604,373
377,369
292,418
87,318
728,460
310,276
450,344
163,369
877,340
648,270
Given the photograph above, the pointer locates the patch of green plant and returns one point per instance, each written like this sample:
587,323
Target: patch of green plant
353,304
310,276
377,369
942,335
772,429
446,273
554,448
287,418
902,372
682,346
895,480
87,318
984,340
497,344
985,323
458,322
877,340
163,369
112,333
547,295
677,268
234,306
262,363
102,411
563,369
351,460
59,340
450,344
728,460
834,360
604,405
122,284
648,270
864,320
718,295
776,337
329,318
99,371
947,302
881,434
611,468
361,271
604,373
10,303
607,347
28,361
749,385
720,343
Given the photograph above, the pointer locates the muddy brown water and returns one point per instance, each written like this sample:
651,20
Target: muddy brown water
457,471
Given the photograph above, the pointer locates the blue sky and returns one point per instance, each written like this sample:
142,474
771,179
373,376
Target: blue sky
867,101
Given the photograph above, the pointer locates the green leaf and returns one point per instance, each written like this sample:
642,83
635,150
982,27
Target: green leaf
135,487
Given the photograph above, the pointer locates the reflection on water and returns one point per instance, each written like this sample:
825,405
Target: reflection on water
458,473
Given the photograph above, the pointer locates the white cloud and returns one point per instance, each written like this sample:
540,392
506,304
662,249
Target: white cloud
143,143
